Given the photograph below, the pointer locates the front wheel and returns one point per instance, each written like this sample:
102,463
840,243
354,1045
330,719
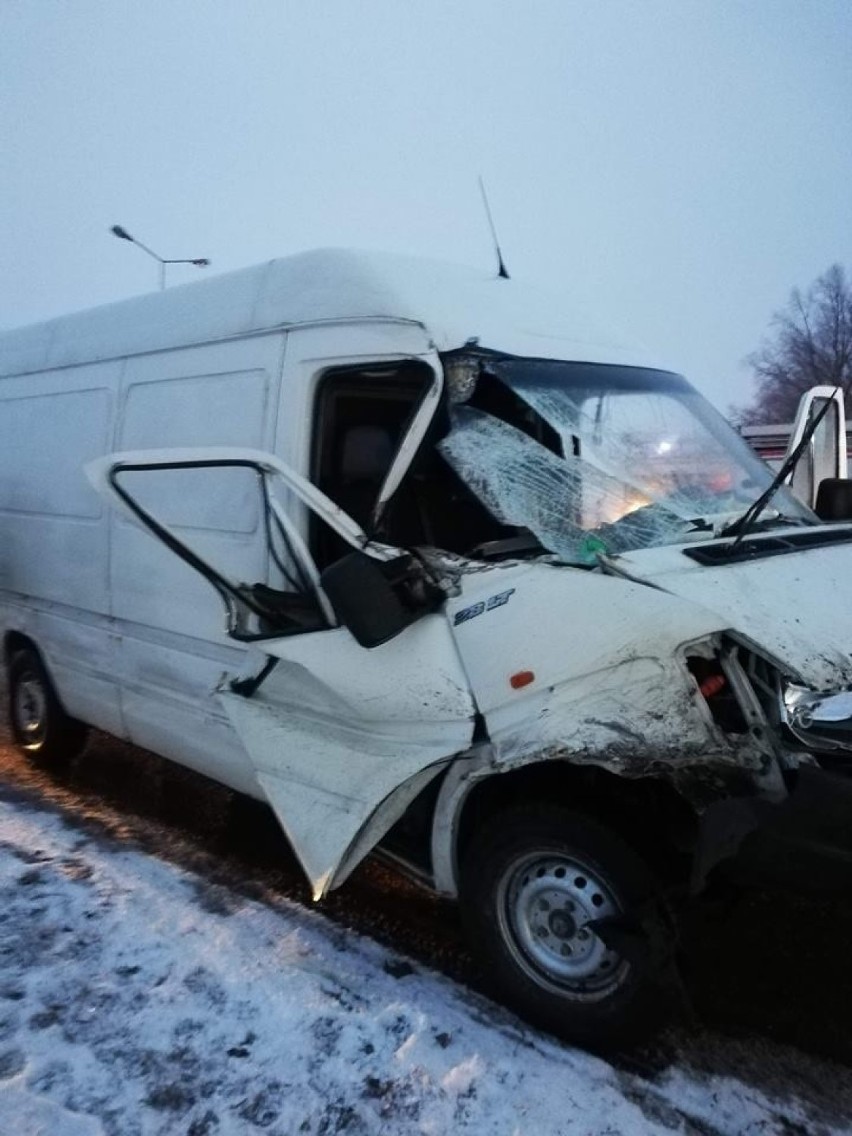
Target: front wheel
567,920
40,726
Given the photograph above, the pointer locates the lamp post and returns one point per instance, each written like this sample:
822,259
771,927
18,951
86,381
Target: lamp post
122,234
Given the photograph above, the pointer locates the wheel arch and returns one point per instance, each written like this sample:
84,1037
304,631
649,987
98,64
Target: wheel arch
14,641
648,813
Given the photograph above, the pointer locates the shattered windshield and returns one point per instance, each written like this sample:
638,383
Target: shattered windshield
602,459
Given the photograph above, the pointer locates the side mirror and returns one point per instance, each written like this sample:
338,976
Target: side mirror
834,499
376,600
825,455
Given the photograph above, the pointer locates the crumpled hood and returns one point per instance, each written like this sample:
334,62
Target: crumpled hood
796,606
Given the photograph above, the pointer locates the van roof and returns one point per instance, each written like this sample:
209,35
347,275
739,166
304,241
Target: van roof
454,304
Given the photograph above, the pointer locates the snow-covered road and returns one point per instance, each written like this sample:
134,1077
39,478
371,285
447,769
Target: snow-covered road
137,998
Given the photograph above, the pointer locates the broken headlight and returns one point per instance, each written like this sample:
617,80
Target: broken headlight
819,721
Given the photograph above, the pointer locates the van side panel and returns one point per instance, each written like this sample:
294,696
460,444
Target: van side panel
173,646
54,530
51,517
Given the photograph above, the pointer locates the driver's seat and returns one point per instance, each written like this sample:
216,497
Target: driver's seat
366,453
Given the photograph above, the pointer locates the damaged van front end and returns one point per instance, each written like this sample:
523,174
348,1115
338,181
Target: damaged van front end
599,687
667,646
788,666
638,683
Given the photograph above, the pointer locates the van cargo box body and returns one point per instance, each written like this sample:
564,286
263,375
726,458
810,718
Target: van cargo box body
437,571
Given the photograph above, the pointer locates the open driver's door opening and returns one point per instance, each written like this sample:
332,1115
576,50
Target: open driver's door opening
344,725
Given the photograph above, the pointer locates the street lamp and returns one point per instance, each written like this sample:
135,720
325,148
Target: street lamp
122,234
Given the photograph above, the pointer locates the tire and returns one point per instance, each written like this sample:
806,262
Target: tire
541,889
40,727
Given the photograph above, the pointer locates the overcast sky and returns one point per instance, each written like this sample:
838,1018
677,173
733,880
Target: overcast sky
681,164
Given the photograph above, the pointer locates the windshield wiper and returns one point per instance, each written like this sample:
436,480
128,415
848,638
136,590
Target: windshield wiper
748,520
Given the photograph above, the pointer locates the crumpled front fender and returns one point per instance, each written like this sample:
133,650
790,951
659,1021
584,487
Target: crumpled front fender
642,718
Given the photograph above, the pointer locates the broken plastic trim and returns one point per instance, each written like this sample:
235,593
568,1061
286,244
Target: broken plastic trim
249,686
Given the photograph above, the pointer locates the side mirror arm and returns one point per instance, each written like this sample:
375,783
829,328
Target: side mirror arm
376,600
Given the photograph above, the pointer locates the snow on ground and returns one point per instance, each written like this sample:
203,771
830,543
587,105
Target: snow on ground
137,999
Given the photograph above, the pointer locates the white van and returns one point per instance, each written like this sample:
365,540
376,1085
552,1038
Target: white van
823,459
503,600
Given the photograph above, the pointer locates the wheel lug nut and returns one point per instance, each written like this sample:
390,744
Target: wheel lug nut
566,950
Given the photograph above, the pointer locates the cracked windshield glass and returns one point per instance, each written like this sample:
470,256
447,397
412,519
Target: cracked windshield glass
595,459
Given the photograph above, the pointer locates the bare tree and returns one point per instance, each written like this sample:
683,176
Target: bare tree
810,342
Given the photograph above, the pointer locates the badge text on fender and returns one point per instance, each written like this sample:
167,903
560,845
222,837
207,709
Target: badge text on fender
482,606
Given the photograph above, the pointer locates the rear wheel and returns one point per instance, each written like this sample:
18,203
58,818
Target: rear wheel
568,921
40,726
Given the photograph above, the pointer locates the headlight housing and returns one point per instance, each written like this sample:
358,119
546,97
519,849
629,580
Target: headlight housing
819,721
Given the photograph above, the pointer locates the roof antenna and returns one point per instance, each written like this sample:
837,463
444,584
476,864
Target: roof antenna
501,267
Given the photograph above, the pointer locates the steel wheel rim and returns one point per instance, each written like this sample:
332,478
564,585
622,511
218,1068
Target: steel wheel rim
30,709
545,902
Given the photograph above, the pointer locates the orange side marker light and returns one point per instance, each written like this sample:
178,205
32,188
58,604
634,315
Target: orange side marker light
520,679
